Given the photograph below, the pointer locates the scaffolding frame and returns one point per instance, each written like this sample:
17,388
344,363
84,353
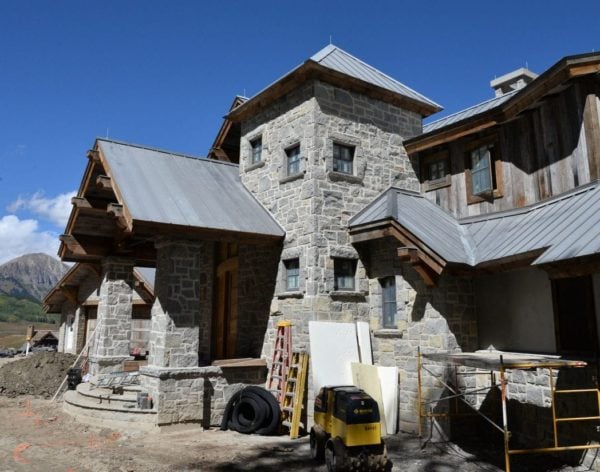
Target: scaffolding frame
503,362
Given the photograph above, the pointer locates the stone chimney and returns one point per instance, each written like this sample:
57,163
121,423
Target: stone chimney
514,80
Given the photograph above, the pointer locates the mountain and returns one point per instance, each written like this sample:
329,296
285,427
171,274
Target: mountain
30,276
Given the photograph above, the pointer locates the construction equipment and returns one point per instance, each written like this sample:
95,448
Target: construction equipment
282,354
347,430
293,396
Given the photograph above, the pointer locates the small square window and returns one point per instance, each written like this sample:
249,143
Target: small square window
343,158
293,160
256,145
344,274
388,302
292,275
481,170
437,169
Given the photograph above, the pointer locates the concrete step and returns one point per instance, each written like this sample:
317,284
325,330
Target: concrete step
102,395
113,414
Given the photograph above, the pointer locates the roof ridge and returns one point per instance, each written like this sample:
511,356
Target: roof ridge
165,151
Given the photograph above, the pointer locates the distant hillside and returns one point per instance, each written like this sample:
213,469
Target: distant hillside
30,276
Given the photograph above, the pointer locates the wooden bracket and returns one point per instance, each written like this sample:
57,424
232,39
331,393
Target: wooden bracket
70,293
414,256
104,182
93,155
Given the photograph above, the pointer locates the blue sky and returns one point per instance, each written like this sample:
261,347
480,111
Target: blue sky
163,73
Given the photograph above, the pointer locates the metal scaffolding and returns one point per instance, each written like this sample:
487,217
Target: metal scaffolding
494,361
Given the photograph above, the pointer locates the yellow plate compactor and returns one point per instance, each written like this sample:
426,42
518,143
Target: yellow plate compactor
347,431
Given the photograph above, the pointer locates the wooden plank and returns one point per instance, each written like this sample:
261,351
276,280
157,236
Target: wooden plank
591,123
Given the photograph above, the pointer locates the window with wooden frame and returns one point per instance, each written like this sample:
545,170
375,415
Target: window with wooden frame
293,157
292,275
483,171
435,171
575,315
388,302
256,155
343,158
344,274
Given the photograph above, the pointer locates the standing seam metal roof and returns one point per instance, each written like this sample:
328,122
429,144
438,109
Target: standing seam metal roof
339,60
174,189
467,113
563,227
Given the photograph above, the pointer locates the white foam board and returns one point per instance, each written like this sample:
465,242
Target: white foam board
333,347
367,377
364,342
388,378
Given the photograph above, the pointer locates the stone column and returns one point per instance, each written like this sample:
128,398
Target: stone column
113,329
175,328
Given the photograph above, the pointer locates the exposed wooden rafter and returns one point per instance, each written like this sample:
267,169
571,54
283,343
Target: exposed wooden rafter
425,261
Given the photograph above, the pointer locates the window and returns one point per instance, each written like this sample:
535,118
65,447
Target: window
481,170
574,315
256,145
343,158
292,275
437,170
388,301
344,274
293,160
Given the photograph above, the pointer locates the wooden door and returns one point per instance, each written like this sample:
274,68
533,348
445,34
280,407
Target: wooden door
225,313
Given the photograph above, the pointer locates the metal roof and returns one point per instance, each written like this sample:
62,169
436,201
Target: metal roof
467,113
431,224
174,189
563,227
339,60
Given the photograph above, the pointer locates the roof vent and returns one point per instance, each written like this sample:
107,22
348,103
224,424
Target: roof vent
514,80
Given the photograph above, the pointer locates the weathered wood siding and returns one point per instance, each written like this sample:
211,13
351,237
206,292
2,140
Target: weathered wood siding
545,151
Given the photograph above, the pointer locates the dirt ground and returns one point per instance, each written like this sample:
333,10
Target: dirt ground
35,435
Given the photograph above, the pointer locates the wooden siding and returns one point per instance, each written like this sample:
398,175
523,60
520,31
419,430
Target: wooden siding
547,150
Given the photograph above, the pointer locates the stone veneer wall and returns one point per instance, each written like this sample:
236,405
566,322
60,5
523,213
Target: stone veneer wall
196,395
256,283
314,206
436,319
111,346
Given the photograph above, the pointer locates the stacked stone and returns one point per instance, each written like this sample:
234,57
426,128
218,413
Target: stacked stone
111,346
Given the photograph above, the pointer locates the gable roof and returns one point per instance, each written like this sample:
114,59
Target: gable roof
338,67
501,109
557,229
174,189
131,194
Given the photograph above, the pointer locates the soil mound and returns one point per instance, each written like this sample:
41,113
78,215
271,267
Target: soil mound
41,373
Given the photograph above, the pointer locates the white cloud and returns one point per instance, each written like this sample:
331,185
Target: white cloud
18,237
55,209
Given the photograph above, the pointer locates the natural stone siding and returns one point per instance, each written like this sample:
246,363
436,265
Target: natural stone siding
180,318
114,316
196,394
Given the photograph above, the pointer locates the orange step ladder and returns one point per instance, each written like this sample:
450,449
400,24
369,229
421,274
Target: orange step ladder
282,355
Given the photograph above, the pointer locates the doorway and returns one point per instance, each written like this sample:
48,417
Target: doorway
225,313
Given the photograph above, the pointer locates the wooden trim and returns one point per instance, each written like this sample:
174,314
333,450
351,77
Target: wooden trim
312,70
391,228
498,171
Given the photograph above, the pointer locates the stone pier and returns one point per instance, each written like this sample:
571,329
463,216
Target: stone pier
111,346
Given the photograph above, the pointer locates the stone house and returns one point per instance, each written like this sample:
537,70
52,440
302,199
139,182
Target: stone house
326,198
